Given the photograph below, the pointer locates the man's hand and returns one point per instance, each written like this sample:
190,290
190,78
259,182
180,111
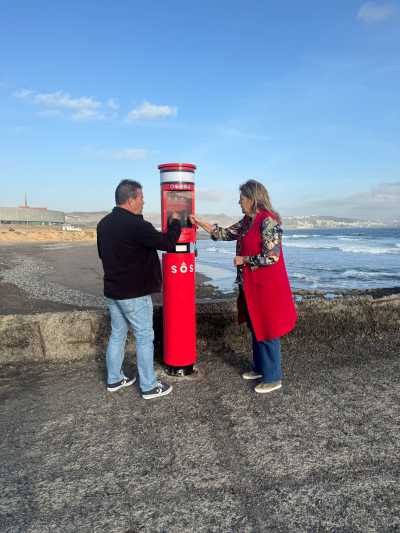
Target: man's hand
193,220
175,216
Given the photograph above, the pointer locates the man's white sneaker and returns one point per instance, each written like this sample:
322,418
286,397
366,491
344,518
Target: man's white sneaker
162,389
251,375
125,382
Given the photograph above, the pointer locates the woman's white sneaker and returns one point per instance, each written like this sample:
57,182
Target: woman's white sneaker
264,388
251,375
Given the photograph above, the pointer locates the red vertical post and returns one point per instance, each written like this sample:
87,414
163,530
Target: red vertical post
179,287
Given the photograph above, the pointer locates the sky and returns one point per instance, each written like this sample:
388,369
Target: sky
302,95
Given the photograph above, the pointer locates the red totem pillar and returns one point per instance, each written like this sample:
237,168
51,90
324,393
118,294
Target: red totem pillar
179,287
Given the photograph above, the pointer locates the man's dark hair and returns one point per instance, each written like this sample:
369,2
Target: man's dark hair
126,189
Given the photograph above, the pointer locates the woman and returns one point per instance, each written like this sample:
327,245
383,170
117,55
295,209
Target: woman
265,299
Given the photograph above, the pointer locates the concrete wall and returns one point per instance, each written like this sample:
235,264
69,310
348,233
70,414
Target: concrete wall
354,326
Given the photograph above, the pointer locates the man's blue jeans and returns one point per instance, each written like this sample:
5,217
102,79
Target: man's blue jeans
137,313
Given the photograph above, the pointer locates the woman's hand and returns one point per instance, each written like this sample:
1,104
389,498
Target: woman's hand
194,220
239,260
197,222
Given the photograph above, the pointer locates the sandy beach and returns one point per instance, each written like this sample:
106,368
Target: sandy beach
23,233
38,274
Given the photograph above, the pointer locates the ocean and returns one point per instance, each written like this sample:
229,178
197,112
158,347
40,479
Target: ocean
326,259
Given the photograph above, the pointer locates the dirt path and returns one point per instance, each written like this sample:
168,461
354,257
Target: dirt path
322,454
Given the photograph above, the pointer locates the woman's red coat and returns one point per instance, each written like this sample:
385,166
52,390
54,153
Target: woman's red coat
267,290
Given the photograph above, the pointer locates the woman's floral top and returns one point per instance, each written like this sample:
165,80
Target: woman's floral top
271,238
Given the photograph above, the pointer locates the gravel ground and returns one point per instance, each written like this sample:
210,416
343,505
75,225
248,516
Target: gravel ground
49,277
30,274
321,455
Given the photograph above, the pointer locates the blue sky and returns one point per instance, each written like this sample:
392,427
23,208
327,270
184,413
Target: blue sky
303,96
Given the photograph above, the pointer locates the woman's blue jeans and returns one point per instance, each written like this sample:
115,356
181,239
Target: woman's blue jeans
138,314
267,359
266,354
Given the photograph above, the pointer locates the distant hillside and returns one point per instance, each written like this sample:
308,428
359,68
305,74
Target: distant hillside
84,219
320,222
90,220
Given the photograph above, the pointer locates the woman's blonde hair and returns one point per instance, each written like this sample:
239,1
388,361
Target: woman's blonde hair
258,194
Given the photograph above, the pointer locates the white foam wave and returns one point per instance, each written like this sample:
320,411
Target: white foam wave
229,252
219,250
300,236
213,272
303,277
362,274
355,249
369,250
315,245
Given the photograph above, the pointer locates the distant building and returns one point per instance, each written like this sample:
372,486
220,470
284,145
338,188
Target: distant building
31,216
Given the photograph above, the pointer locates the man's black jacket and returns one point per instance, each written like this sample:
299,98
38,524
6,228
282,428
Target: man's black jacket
127,246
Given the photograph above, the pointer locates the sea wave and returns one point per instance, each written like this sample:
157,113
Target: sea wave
355,249
214,272
303,277
229,252
364,274
370,250
301,236
219,250
314,246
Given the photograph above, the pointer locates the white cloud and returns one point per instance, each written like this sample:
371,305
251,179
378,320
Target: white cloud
87,114
62,103
85,108
23,93
384,195
382,201
64,100
371,12
150,111
112,104
130,154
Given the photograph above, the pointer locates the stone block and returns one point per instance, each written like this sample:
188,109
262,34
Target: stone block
21,339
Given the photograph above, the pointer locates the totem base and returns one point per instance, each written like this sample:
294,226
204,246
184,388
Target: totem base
179,371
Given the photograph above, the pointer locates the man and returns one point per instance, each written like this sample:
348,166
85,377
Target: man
127,247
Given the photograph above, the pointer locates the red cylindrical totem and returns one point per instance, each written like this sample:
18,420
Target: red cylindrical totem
179,287
179,310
